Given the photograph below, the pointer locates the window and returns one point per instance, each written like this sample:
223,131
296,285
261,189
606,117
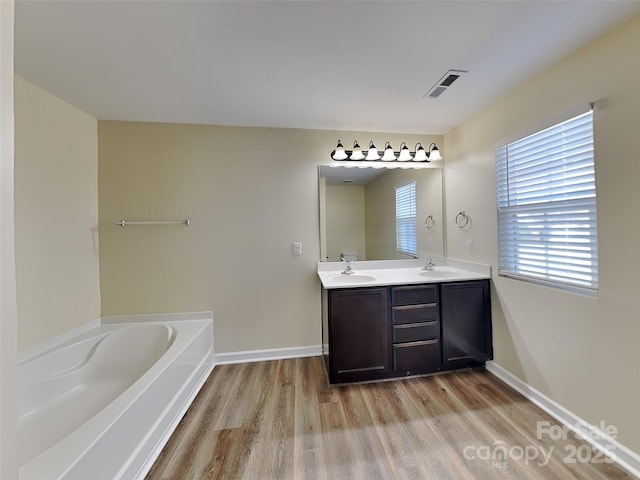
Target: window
406,243
546,198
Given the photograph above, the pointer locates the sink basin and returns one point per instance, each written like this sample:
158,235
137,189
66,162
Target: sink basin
355,278
438,273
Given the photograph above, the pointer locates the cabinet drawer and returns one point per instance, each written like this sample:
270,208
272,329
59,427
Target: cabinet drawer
417,357
415,332
414,313
414,295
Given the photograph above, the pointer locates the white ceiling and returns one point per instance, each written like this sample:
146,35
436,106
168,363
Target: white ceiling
344,65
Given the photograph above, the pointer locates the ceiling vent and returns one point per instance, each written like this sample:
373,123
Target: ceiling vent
445,82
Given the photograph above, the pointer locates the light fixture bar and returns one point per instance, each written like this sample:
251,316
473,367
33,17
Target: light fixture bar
387,155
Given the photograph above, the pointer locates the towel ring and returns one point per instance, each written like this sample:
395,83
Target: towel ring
462,219
430,222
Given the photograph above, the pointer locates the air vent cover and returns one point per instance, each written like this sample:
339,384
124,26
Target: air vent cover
445,82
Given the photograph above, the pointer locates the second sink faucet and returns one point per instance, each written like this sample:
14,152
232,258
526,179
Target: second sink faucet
347,269
429,266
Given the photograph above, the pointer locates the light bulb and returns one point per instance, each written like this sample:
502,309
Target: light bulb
405,154
372,154
434,153
339,153
388,153
357,152
420,155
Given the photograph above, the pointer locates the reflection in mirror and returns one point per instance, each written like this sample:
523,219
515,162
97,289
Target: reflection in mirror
358,217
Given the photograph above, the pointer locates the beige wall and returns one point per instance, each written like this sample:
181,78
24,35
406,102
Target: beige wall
56,211
250,193
345,221
581,352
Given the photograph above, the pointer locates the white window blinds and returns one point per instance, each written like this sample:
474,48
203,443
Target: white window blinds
406,243
546,198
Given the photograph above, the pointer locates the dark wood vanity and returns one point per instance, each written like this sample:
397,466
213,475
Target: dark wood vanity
381,332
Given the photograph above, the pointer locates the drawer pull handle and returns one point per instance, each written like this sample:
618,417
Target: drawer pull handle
416,325
415,344
414,307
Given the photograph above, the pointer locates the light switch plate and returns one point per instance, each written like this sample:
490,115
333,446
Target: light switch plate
297,248
469,246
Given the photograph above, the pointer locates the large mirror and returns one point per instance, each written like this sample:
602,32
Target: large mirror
358,212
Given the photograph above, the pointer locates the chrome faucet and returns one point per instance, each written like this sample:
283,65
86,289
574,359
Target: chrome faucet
347,269
429,266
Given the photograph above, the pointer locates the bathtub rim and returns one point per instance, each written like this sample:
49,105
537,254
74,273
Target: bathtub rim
69,336
92,338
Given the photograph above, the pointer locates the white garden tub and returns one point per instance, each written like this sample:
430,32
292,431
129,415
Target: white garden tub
102,405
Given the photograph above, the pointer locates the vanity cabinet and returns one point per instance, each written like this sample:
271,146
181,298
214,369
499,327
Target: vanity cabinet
373,333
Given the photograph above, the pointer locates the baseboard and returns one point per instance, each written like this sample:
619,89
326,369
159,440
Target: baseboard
623,456
268,354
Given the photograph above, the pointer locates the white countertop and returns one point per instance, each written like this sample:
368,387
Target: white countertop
399,272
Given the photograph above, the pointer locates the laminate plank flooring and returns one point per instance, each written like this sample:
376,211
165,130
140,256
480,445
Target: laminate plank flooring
281,420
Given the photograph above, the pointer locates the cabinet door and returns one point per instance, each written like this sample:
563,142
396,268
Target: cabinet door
359,333
466,323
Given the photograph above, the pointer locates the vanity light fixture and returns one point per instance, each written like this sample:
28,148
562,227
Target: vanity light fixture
339,153
420,155
388,155
405,154
434,153
356,154
372,154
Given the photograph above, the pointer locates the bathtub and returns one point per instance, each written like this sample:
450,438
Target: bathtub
102,405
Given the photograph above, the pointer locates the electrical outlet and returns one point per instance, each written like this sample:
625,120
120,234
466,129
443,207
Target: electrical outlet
469,246
297,248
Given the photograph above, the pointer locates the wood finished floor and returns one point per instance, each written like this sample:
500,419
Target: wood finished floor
280,420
